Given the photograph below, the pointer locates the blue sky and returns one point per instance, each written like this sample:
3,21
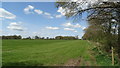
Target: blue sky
37,18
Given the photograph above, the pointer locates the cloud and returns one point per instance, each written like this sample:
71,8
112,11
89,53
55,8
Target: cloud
61,10
28,9
38,11
83,28
65,11
5,14
48,15
75,31
15,26
68,24
59,16
69,29
53,28
71,25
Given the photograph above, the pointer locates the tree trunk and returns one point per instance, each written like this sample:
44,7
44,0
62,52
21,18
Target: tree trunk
118,46
118,21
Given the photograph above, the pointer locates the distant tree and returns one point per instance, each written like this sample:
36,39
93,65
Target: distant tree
36,37
12,37
19,37
77,37
47,38
0,37
65,37
43,38
28,37
58,37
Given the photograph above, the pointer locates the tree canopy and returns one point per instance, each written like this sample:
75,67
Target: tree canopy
103,18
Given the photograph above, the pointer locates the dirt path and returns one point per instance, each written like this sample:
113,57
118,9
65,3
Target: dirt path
73,62
81,61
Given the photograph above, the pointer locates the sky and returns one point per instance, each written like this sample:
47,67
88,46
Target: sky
38,18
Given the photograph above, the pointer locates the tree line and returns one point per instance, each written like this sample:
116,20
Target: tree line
37,37
66,37
103,19
11,37
104,27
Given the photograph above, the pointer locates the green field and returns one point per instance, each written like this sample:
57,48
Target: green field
47,53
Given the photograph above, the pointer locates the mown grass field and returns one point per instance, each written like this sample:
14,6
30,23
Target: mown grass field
47,53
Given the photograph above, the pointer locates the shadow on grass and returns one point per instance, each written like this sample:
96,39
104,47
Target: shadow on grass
25,63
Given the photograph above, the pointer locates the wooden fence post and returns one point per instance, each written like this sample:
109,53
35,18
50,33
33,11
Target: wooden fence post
112,56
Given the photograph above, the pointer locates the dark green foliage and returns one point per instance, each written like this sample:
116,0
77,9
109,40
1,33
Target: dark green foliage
66,37
12,37
101,27
103,58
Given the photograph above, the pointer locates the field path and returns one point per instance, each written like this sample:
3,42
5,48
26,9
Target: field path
81,62
91,60
73,62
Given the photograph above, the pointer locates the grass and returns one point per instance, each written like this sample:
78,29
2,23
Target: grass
103,58
46,52
42,52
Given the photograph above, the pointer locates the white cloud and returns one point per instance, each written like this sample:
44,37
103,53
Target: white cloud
15,26
53,28
65,11
59,16
46,13
83,28
69,29
50,17
61,10
73,26
38,11
77,26
74,0
5,14
75,31
28,9
67,24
